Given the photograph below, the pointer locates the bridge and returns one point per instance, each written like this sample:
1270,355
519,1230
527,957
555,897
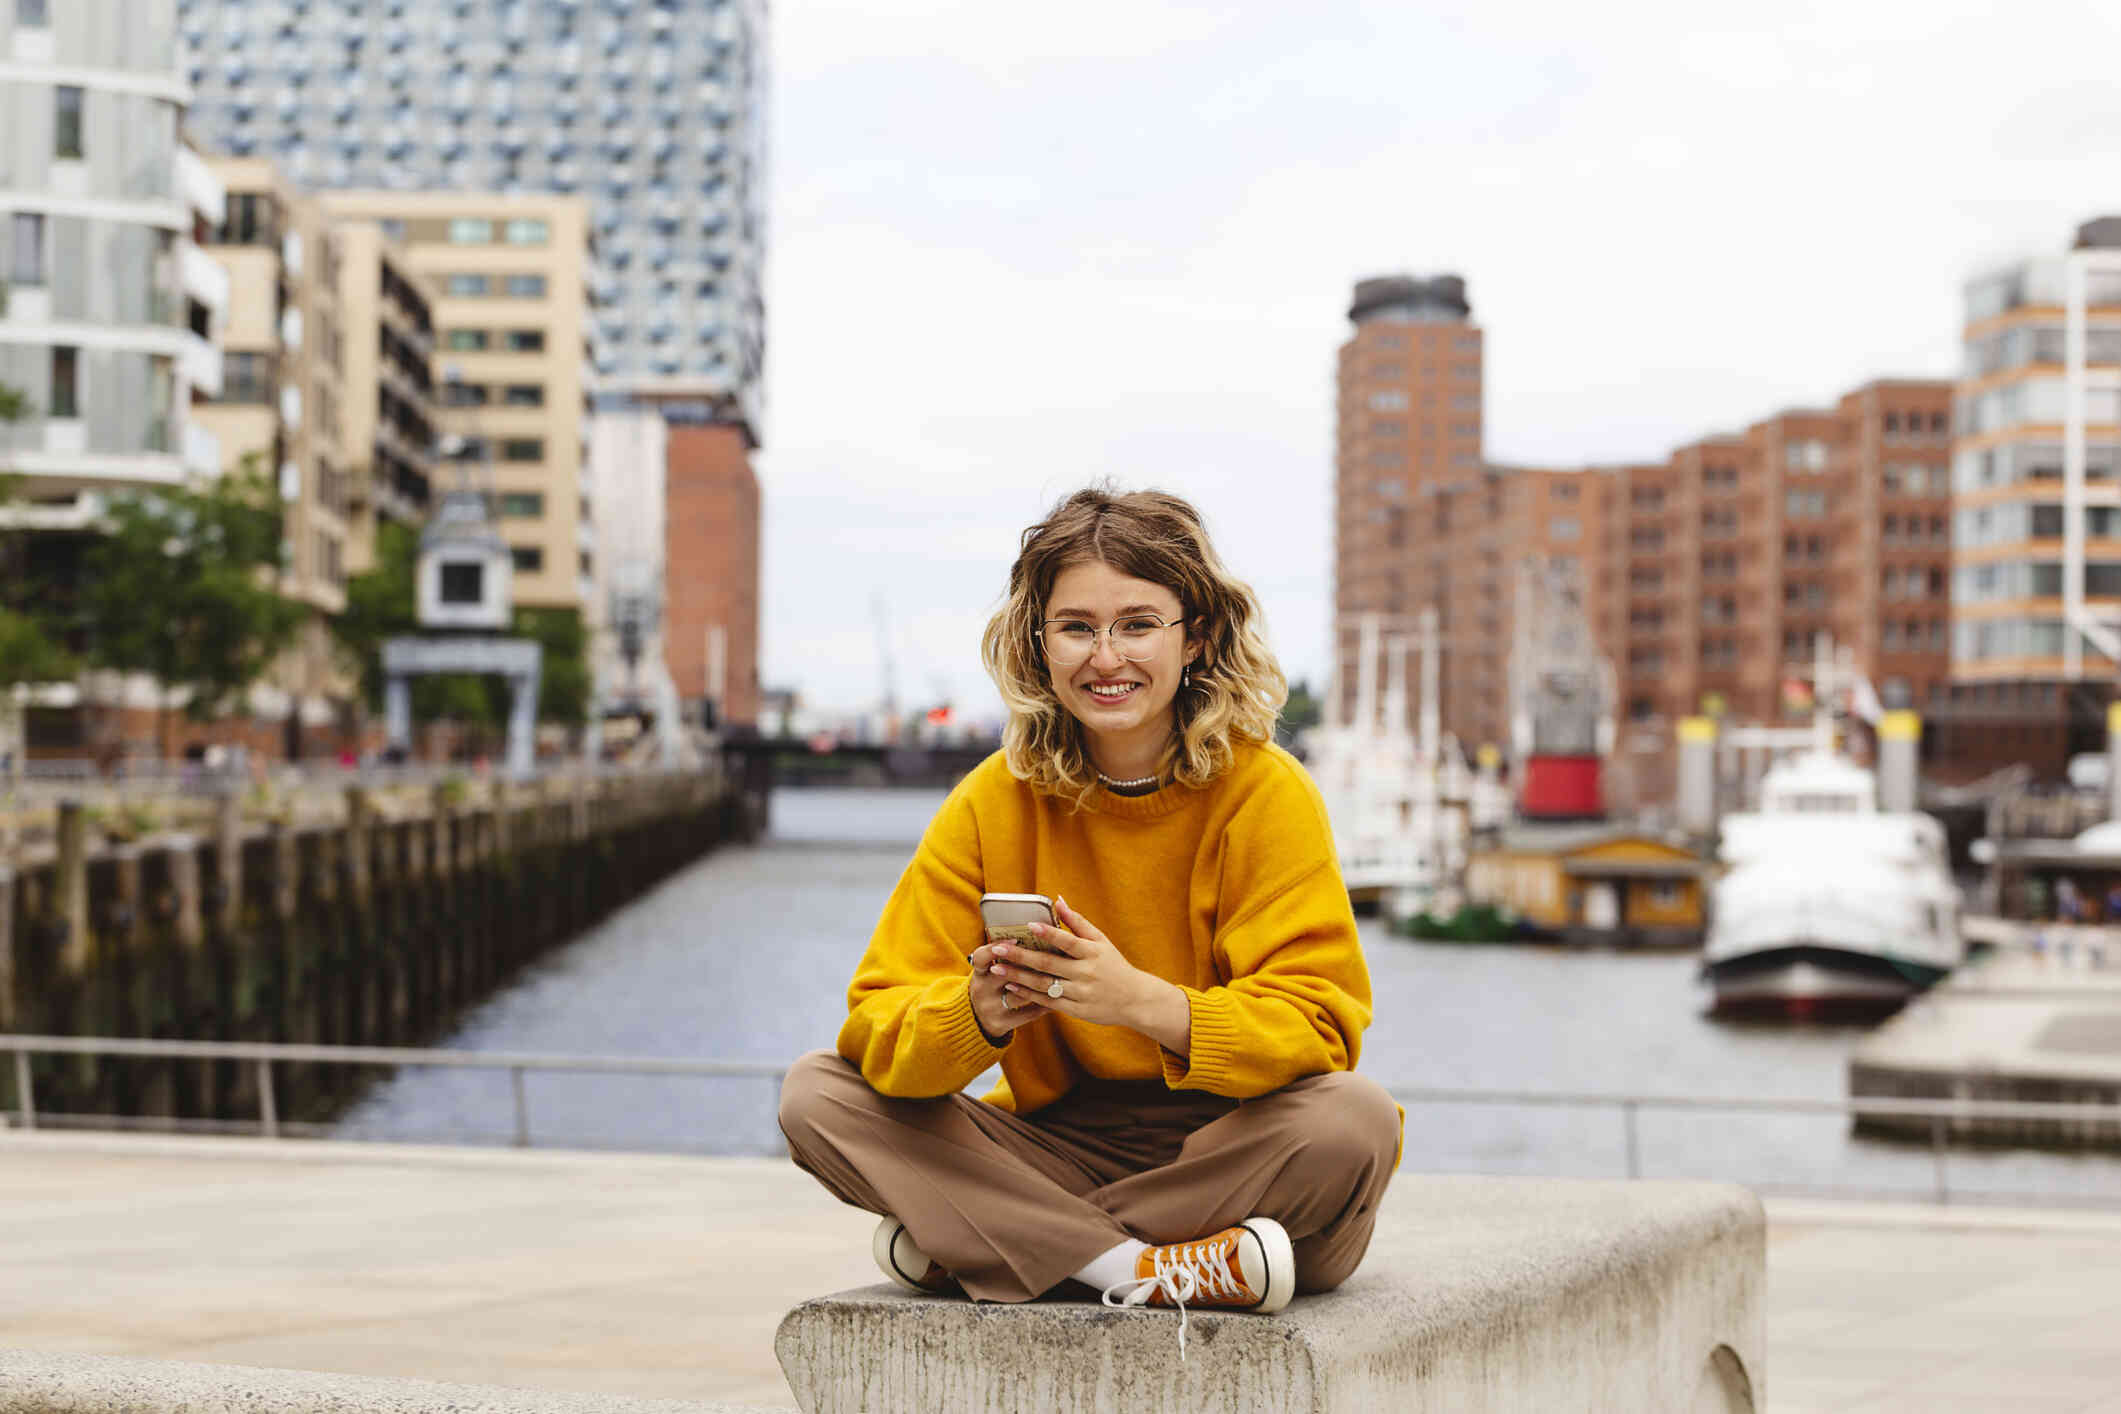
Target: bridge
765,761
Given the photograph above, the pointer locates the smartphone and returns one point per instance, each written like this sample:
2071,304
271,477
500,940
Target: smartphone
1008,917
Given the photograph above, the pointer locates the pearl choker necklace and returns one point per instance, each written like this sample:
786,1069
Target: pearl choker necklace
1148,780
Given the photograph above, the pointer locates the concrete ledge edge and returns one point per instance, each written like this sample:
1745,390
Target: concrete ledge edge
119,1143
34,1382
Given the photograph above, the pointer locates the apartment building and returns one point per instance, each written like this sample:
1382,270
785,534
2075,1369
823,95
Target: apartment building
1709,577
387,343
108,314
281,408
329,374
653,114
509,278
1888,593
1731,559
326,392
108,311
2036,538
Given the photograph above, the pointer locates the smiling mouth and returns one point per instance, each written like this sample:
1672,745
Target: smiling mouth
1115,692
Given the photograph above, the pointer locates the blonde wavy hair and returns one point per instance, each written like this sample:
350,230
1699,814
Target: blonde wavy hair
1237,688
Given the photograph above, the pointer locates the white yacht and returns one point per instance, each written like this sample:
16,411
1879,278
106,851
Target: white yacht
1827,901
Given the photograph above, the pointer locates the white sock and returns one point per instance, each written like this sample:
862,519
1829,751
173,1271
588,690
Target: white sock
1113,1267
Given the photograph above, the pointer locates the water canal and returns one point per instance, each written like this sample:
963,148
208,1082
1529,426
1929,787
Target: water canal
745,956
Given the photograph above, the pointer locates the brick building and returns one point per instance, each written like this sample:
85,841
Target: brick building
1737,552
711,614
1711,576
1409,484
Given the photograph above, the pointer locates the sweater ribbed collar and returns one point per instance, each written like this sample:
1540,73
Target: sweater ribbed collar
1153,806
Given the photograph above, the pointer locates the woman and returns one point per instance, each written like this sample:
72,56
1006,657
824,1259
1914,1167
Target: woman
1178,1120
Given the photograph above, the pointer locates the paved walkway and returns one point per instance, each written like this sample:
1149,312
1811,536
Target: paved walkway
666,1276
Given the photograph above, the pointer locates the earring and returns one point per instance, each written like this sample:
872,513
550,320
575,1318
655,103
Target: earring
1185,676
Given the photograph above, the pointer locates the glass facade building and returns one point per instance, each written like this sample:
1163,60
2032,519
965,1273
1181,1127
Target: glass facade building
652,110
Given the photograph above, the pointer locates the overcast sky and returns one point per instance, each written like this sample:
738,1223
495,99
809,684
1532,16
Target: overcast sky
1015,248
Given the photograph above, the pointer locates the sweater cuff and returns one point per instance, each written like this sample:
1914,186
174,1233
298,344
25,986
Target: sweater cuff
966,1040
1212,1046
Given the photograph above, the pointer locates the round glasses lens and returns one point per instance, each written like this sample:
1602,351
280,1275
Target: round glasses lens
1069,643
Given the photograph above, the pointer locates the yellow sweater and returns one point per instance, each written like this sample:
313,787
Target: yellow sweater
1232,891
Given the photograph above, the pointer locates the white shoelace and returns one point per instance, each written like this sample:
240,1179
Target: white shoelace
1182,1273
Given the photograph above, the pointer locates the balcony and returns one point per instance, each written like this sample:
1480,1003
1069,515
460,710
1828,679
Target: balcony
204,279
199,188
202,451
200,364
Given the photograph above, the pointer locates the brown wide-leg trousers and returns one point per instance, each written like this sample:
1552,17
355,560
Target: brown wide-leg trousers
1014,1206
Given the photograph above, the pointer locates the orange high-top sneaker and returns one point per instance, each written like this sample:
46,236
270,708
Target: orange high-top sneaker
1250,1267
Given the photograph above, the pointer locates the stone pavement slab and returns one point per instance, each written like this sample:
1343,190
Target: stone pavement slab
665,1277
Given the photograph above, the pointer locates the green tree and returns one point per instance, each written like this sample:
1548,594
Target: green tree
563,679
179,585
28,651
1300,713
379,605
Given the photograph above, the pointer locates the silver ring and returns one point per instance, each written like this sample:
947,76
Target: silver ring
1055,989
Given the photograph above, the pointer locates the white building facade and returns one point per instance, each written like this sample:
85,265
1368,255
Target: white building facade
109,311
2036,476
629,457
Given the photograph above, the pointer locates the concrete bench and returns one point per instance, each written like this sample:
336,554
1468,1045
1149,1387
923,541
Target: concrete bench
34,1382
1477,1294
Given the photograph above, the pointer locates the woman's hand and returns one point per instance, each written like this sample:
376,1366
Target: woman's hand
992,1007
1098,984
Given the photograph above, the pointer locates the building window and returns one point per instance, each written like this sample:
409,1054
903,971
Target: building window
467,230
66,131
463,582
466,340
524,395
523,449
529,504
247,378
525,286
467,285
525,341
530,559
249,220
527,232
66,363
1388,402
25,264
1563,528
463,395
32,14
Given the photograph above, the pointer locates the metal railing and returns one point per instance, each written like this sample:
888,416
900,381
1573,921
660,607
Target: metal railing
264,1055
43,783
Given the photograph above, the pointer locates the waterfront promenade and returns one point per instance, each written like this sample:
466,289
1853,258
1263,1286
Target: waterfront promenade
666,1276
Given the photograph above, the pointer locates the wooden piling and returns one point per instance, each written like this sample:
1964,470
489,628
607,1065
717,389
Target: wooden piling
75,948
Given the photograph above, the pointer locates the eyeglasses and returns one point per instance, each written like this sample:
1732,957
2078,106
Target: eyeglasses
1069,641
